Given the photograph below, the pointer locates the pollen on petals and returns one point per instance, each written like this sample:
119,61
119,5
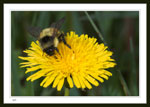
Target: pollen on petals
83,65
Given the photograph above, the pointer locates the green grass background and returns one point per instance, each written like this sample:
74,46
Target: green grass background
120,29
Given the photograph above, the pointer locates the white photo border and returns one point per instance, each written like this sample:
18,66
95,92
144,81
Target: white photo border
142,98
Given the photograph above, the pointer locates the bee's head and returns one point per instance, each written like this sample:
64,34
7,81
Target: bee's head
49,50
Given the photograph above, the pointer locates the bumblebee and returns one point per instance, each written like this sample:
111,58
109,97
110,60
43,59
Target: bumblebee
49,38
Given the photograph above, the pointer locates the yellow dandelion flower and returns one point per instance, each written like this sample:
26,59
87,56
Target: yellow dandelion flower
82,65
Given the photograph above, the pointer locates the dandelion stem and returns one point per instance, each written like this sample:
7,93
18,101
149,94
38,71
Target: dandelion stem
122,80
66,92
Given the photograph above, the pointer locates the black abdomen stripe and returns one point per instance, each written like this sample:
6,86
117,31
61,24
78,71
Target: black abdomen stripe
45,39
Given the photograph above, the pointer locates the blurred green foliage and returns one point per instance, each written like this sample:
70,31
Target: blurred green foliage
120,30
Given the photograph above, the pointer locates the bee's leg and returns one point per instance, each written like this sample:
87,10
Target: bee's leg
63,39
57,49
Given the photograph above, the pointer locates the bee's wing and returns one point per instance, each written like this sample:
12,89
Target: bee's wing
60,22
34,31
53,25
57,25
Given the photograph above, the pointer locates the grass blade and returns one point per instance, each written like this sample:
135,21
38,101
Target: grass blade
133,80
95,27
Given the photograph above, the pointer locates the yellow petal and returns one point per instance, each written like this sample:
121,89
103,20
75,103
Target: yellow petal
92,80
87,84
81,82
56,81
76,81
45,79
37,76
60,84
50,80
104,76
97,77
32,69
108,73
70,81
23,58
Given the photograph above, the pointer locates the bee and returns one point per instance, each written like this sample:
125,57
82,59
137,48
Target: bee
49,38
